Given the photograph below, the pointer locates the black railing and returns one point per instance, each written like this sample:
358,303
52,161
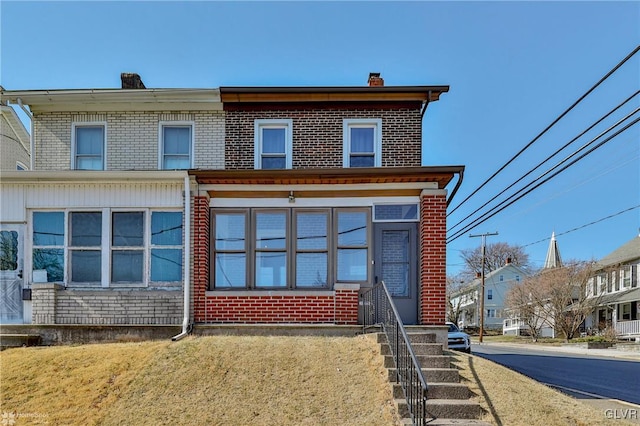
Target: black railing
379,310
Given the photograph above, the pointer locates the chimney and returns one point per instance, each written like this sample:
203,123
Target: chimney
131,81
508,260
375,80
478,274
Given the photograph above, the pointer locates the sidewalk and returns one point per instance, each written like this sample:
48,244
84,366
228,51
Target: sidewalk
575,348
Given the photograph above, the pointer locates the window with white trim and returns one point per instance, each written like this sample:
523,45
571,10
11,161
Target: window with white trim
489,294
88,146
108,247
289,248
273,144
362,143
176,145
625,276
21,166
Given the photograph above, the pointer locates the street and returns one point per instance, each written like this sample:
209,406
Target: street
581,376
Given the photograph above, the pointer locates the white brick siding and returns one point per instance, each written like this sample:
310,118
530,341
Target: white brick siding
132,138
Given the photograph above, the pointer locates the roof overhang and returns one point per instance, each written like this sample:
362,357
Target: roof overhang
230,95
93,100
321,183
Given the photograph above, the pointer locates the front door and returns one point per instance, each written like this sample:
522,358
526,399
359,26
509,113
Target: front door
395,263
11,265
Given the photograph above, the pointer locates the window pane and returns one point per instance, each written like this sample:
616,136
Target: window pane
89,140
231,270
166,228
362,139
311,270
230,230
273,141
274,163
312,231
48,228
128,229
89,163
352,264
86,229
176,162
271,230
52,260
396,212
362,161
126,266
352,229
86,266
271,269
166,264
177,140
8,250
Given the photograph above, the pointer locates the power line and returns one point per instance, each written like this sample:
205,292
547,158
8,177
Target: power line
583,147
484,217
587,93
548,158
586,224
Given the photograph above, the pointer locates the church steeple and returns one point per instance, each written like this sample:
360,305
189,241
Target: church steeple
553,259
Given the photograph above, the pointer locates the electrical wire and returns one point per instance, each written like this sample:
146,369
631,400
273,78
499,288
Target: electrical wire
587,93
490,214
548,158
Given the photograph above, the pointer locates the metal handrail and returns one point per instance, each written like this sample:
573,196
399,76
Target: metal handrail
379,309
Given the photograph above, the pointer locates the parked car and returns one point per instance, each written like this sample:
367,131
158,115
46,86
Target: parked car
458,340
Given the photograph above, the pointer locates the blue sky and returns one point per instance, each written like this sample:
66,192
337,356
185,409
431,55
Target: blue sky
513,67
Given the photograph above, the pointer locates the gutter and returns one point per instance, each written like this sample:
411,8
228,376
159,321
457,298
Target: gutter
31,141
186,329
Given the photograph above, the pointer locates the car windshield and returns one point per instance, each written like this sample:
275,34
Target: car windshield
453,328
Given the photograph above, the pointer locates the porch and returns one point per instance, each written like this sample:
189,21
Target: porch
628,329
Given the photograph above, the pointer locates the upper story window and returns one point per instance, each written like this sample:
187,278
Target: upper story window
625,276
362,140
21,167
273,144
176,145
489,294
88,146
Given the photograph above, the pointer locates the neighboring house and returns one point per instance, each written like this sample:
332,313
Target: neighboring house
615,281
14,141
513,324
300,199
497,284
97,230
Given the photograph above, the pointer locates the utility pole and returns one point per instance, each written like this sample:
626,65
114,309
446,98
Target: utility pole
484,236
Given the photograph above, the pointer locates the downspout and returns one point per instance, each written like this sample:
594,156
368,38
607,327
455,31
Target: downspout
455,189
187,260
31,141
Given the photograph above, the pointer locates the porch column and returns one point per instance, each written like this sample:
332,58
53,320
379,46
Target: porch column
200,256
44,302
433,273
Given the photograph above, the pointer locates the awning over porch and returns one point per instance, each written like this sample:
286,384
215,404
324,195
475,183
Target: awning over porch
620,297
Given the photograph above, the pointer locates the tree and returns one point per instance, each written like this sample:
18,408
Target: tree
454,304
496,256
519,301
559,295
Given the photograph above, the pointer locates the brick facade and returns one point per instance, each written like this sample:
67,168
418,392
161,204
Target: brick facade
433,255
132,138
318,134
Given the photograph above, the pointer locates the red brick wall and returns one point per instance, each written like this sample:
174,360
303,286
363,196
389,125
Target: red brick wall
341,308
317,134
200,256
433,272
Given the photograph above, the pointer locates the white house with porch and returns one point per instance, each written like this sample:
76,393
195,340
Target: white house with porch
615,280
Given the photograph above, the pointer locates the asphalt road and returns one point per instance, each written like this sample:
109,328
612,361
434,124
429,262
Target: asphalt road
581,376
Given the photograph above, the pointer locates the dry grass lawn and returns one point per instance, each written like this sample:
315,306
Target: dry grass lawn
248,381
510,398
201,381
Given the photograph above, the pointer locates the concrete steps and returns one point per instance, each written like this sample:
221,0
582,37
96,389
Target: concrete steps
448,400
